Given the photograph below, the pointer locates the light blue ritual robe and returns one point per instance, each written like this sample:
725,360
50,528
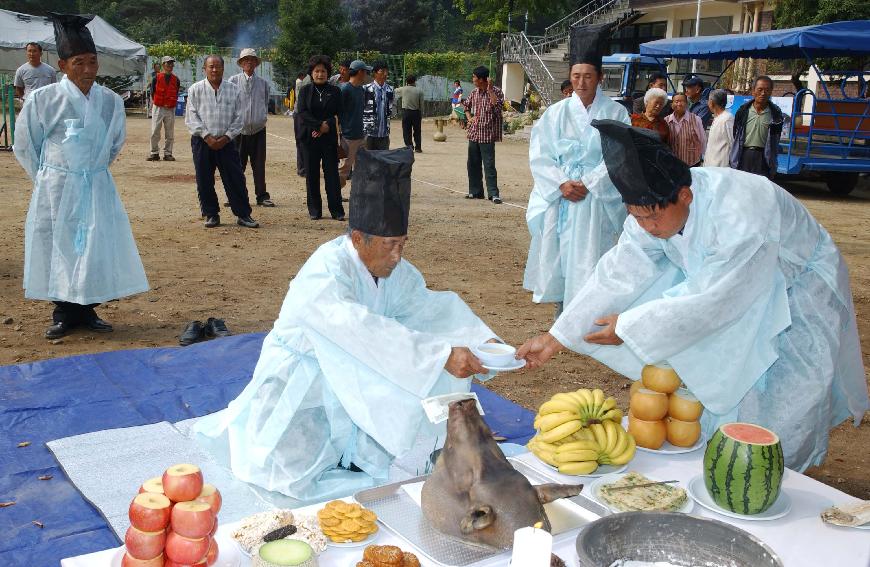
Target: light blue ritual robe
341,376
569,238
78,246
751,306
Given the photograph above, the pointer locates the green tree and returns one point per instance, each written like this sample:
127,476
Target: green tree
38,7
794,13
310,27
491,16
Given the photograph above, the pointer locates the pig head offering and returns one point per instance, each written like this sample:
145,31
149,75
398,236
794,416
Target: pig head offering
475,494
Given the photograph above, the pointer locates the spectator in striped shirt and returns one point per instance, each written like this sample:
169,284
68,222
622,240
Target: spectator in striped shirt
485,105
687,138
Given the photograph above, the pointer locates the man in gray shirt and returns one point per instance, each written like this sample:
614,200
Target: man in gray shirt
251,143
412,112
33,74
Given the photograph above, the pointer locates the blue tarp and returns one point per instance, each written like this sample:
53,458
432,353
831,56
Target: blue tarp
823,40
51,399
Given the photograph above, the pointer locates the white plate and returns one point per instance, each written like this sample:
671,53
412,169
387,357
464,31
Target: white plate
599,482
515,366
366,541
667,448
698,492
229,553
602,470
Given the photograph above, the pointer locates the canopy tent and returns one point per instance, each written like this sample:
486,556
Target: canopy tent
823,40
119,55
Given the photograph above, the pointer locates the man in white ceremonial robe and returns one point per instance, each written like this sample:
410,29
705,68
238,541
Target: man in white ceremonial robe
336,394
78,247
575,213
729,279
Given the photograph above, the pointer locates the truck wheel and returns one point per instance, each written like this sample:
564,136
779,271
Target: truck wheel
841,183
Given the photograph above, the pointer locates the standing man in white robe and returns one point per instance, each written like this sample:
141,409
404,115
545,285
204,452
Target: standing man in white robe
78,247
575,213
729,279
358,344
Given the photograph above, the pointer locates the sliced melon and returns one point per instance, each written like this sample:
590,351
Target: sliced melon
284,553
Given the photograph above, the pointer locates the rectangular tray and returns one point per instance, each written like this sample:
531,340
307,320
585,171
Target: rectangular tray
401,514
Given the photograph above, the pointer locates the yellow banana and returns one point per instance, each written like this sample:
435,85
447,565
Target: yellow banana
556,406
564,397
597,399
577,456
600,434
587,467
584,435
621,442
626,455
547,456
614,414
560,431
608,405
586,401
577,446
551,420
610,430
545,446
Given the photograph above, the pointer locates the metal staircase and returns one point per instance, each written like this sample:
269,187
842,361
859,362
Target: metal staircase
545,58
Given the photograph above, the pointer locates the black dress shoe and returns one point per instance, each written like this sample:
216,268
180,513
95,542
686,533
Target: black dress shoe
99,326
314,217
247,222
339,218
265,203
213,221
193,333
58,330
216,328
419,151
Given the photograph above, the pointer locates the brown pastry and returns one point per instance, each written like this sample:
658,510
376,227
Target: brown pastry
365,563
410,560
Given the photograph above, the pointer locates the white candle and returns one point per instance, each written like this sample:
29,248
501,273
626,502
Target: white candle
532,548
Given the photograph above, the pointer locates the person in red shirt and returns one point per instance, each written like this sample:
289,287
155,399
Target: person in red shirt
484,104
164,87
651,119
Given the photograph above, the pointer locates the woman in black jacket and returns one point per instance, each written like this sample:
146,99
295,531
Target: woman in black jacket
319,105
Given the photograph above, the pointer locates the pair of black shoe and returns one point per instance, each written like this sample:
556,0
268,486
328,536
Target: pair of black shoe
196,331
62,328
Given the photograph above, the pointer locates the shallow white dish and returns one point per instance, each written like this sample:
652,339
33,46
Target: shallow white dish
515,366
596,484
366,541
667,448
495,354
229,553
698,492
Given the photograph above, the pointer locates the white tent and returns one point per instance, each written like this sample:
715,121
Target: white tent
119,55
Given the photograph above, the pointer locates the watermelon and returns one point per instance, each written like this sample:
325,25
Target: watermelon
743,468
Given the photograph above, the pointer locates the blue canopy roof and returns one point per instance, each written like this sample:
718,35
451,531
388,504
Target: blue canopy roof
823,40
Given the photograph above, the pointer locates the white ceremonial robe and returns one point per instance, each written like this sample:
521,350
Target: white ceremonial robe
341,376
78,246
751,306
569,238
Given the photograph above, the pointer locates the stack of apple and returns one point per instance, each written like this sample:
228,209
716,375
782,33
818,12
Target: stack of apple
173,520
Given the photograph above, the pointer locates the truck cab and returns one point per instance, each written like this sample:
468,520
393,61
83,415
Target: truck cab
626,76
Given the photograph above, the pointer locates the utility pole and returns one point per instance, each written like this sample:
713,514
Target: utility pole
697,33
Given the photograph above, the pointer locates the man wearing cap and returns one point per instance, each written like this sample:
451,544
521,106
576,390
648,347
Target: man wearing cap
353,135
728,279
693,86
575,213
78,247
251,143
359,342
164,88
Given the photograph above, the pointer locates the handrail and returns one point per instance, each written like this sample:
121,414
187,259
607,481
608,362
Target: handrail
517,47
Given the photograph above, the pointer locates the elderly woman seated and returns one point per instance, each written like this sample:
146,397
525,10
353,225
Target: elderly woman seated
654,100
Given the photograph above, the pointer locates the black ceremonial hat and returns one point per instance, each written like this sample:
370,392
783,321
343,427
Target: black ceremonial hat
380,197
590,43
71,35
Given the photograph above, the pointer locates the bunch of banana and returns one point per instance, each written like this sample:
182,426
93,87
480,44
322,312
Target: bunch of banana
583,449
587,406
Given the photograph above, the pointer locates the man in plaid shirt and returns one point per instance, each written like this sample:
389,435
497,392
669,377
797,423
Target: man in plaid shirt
484,130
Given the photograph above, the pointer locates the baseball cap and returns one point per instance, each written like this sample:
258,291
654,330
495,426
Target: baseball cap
167,59
357,65
247,52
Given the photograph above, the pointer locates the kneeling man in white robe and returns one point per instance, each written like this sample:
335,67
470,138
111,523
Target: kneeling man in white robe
358,344
729,279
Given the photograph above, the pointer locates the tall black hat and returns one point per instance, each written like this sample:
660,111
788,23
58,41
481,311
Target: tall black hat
380,198
71,35
644,170
590,43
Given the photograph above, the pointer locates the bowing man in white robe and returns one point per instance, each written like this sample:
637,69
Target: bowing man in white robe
575,213
729,279
78,247
359,342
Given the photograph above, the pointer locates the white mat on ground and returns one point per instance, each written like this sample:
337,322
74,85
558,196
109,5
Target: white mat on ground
108,467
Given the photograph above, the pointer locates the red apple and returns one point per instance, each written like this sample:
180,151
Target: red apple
149,512
214,529
186,550
212,495
192,519
171,563
182,482
129,561
154,485
144,545
212,555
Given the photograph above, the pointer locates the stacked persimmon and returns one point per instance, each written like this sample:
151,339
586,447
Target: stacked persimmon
661,411
173,520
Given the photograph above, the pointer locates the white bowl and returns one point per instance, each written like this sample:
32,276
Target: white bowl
495,354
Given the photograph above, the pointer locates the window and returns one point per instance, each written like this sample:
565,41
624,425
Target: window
720,25
612,83
629,38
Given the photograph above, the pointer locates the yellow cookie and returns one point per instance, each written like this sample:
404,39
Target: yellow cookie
368,515
354,512
359,537
350,525
329,522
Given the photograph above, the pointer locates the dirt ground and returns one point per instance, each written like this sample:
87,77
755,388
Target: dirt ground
474,248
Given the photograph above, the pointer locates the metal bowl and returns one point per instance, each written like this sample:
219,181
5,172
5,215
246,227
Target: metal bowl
675,538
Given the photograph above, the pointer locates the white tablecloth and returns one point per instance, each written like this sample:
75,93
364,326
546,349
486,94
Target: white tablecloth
801,538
